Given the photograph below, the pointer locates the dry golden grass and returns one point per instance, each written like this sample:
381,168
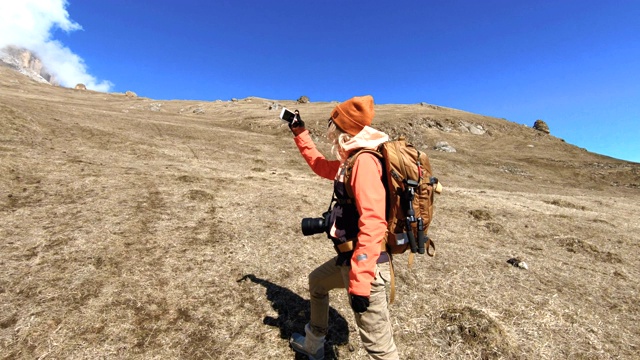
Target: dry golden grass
145,229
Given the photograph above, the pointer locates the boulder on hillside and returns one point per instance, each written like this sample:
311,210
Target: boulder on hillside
274,106
80,87
541,126
444,146
472,128
131,94
429,105
303,99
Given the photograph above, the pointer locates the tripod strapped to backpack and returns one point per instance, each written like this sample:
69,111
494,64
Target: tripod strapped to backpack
411,222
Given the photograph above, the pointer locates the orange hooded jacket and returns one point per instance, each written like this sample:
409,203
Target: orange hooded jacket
369,194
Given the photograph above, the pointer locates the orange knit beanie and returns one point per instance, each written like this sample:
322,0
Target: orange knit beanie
354,114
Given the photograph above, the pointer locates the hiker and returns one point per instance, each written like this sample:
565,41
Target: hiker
357,229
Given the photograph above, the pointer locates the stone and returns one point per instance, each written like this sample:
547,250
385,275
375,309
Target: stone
476,130
541,126
444,146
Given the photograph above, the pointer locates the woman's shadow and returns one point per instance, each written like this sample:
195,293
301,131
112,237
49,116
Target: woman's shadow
293,314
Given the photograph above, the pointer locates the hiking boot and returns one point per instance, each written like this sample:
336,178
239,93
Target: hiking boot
310,345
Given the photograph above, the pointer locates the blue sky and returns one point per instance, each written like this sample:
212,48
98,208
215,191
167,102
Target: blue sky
573,64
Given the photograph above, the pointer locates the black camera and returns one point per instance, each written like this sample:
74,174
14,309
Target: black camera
312,226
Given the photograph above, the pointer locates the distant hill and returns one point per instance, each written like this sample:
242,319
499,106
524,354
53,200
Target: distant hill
27,63
139,228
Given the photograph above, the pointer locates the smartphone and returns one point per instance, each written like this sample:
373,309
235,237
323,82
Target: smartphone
287,115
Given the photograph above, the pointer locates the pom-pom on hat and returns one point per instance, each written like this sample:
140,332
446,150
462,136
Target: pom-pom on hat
354,114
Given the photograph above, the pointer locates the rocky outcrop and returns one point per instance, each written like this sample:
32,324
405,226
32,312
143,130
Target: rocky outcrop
541,126
26,63
471,128
444,146
435,107
303,99
80,87
131,94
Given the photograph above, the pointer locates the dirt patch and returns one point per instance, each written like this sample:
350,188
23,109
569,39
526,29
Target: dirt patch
477,334
565,204
495,228
482,215
579,246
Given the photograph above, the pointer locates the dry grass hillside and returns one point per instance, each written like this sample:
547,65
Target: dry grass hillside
133,228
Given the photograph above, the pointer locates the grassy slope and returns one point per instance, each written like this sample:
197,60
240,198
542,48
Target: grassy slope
138,228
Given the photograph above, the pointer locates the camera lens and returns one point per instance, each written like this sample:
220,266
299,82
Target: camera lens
311,226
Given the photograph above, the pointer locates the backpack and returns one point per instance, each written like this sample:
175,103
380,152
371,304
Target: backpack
410,187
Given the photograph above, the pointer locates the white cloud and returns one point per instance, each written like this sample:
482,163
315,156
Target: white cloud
29,24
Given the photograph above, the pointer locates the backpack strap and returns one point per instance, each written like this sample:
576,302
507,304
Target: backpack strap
349,168
349,190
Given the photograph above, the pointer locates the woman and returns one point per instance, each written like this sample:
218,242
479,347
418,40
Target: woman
357,228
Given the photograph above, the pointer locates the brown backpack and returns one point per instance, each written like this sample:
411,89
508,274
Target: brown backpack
410,188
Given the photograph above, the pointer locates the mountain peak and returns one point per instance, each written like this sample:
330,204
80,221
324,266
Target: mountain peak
27,63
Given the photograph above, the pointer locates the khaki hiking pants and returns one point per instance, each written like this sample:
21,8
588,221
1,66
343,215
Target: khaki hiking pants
374,325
